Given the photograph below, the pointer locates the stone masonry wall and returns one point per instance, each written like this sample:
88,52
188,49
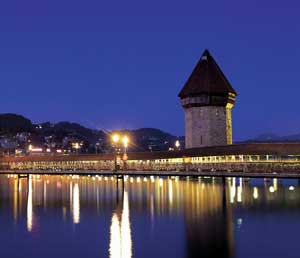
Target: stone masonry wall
207,126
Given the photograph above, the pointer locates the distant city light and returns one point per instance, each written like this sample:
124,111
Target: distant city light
36,149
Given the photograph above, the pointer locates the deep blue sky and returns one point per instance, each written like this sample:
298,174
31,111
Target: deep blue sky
121,64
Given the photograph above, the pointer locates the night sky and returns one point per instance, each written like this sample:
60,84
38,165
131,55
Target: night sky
121,64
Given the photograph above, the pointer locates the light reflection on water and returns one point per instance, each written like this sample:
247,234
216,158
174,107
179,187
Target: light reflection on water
147,217
120,245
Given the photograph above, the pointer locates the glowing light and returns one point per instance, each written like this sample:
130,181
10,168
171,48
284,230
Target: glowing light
120,245
48,150
240,191
177,144
29,206
291,188
114,244
76,204
152,179
59,151
170,192
271,189
36,149
275,184
125,141
138,179
239,222
239,194
160,182
115,138
232,191
125,229
15,200
255,193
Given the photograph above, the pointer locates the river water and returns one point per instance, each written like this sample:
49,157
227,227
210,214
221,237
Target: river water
98,216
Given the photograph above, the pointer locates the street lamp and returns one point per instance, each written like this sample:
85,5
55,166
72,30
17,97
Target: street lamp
125,141
116,139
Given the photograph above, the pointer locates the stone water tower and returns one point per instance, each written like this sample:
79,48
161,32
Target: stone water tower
207,98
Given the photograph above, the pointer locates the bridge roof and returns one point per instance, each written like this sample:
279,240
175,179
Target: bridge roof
206,78
280,149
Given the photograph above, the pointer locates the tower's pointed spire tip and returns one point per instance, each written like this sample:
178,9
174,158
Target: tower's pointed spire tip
206,52
205,55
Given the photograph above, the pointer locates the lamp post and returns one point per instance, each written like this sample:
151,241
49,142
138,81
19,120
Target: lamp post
116,139
125,141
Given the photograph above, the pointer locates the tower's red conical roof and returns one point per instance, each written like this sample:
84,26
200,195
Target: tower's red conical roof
206,78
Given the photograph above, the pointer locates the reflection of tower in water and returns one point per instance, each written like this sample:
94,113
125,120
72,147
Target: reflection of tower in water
120,245
208,221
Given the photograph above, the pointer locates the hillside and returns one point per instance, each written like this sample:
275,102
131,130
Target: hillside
20,130
12,123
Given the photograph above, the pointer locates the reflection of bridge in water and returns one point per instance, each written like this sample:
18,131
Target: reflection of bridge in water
206,205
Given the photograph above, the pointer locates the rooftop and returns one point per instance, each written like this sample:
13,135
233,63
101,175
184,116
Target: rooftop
206,78
277,149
